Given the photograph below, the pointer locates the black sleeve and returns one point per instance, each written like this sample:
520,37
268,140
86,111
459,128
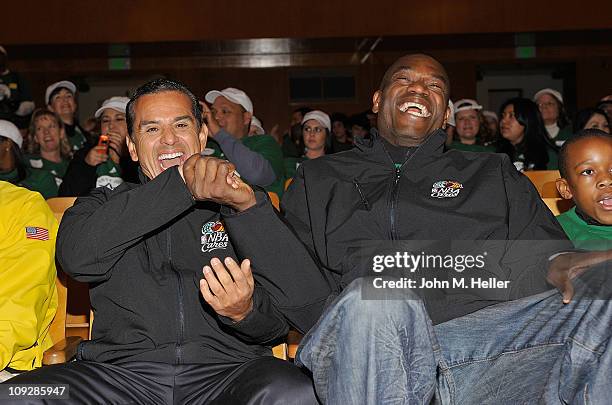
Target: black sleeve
282,264
263,324
93,234
80,178
534,235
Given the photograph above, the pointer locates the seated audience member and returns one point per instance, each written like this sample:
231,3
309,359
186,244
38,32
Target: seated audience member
105,164
492,123
12,168
550,103
316,127
524,137
463,346
258,159
594,118
341,140
470,127
292,141
28,298
360,127
49,153
16,103
585,163
606,104
180,316
61,99
256,127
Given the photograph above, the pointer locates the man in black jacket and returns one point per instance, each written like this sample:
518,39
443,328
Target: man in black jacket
181,315
500,334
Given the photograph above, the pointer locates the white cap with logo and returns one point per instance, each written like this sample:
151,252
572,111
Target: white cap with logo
255,122
64,83
116,103
10,131
234,95
318,116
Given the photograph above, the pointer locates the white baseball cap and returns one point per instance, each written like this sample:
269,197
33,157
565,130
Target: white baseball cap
255,122
466,104
10,131
552,92
490,114
236,96
2,50
64,83
318,116
116,103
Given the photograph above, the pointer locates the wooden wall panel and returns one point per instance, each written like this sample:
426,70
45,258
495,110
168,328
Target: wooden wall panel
117,21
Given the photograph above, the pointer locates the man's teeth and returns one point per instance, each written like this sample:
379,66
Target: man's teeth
416,109
167,156
606,201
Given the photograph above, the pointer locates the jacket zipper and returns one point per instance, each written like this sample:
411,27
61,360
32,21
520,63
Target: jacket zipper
181,314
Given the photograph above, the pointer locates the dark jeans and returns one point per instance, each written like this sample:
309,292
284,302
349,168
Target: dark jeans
261,381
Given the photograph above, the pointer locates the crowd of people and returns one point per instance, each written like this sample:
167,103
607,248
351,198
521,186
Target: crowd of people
194,276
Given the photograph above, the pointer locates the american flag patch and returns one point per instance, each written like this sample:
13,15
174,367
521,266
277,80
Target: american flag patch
34,232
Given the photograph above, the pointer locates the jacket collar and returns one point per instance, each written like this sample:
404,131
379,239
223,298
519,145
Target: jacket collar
431,148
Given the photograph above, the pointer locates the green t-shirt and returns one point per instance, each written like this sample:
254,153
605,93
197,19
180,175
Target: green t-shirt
583,235
266,146
108,175
44,176
10,177
470,148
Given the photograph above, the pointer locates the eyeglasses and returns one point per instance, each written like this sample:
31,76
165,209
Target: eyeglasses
547,104
316,130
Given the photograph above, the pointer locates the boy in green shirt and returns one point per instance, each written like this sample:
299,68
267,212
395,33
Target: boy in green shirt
585,164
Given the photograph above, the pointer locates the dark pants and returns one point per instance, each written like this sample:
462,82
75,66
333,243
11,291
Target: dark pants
260,381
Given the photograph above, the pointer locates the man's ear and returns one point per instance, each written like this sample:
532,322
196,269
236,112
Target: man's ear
564,189
376,101
203,136
447,115
131,148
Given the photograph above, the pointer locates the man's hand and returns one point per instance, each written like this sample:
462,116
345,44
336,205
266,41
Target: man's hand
212,179
230,294
565,267
96,156
209,119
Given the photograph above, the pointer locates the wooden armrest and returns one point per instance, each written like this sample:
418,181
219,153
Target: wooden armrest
62,351
293,341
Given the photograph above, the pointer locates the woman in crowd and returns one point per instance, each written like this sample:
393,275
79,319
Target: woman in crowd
471,128
524,136
98,165
12,168
49,153
591,118
550,104
316,128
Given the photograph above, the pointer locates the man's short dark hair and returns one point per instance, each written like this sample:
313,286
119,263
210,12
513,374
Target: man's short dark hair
580,135
159,86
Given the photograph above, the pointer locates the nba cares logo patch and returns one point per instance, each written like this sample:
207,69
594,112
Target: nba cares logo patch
213,236
446,189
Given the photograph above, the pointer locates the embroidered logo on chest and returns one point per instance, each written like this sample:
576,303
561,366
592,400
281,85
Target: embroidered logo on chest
213,236
446,189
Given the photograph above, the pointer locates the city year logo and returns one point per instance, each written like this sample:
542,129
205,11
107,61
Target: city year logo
446,189
213,236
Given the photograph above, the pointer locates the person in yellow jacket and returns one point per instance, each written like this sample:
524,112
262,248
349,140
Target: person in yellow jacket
28,297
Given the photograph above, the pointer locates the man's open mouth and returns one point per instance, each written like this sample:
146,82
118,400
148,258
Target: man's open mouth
416,109
168,160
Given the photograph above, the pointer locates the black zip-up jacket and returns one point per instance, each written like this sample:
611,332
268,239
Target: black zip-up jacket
141,248
336,203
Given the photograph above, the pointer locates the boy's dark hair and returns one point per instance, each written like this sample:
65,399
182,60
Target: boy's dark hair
303,110
159,86
580,135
